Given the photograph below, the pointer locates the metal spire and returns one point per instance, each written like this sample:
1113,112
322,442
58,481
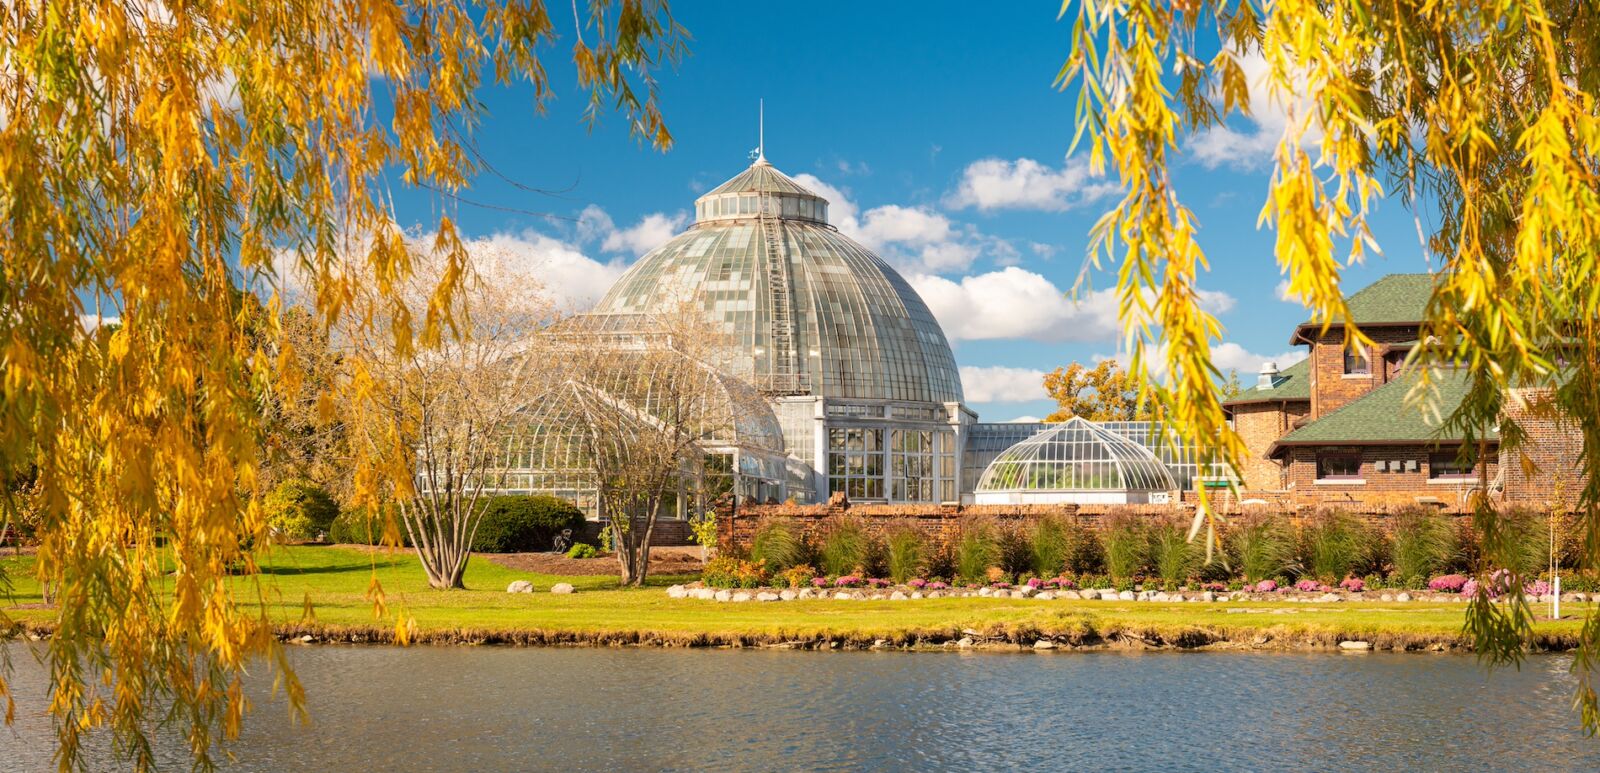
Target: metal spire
761,131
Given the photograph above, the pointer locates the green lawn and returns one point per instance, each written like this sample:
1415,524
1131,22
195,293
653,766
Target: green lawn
336,580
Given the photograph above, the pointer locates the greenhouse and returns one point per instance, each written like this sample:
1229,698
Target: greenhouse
1076,461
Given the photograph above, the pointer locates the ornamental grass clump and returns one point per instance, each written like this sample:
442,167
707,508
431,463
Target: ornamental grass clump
905,554
1016,550
778,545
1126,544
1335,544
1172,554
1054,542
847,548
976,552
1425,544
1260,545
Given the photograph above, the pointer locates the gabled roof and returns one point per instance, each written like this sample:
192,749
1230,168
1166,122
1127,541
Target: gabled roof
1383,417
1396,299
1293,383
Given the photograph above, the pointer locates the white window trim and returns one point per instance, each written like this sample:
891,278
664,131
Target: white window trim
1367,376
1458,480
1340,481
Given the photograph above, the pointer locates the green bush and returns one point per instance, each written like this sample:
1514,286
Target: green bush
1261,546
1055,542
583,550
1425,544
729,572
1126,541
1521,543
355,526
1016,551
905,555
1335,544
776,544
976,552
847,548
1172,555
524,524
299,509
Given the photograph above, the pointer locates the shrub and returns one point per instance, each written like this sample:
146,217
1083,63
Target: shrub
1266,586
1335,545
524,524
1261,547
798,576
1055,541
355,527
847,548
728,572
905,554
1127,545
583,550
976,552
1353,584
1171,553
299,509
1016,551
1425,544
776,544
1524,545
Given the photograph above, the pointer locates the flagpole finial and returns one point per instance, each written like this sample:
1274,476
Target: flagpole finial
761,131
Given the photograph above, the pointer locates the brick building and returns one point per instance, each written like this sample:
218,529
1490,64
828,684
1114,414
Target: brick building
1347,426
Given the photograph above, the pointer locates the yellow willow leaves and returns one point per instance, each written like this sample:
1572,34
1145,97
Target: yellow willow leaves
167,166
1480,114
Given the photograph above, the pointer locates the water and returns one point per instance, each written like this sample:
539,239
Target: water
490,709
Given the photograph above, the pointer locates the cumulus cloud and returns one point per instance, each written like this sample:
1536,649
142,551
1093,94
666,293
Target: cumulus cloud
919,239
1231,356
573,281
996,183
594,224
1021,304
1253,143
1000,384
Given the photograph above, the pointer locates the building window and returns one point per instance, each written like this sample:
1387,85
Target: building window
1356,362
1338,467
1448,465
855,462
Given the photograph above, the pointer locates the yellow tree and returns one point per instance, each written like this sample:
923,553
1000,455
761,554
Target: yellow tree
156,157
1482,115
1103,393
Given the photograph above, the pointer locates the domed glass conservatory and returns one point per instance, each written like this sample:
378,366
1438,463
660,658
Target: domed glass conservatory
855,367
1075,461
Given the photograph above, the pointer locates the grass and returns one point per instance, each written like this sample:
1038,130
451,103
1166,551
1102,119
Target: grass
335,579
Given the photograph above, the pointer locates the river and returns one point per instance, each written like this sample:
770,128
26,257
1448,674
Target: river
503,709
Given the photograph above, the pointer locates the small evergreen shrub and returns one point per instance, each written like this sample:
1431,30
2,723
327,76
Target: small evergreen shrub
354,526
777,545
583,550
1054,543
1127,544
1260,545
905,554
847,548
977,551
300,510
1172,555
1425,544
524,524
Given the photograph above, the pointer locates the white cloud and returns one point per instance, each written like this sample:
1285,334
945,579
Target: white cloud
1231,356
1270,117
93,322
919,239
1025,419
572,280
652,230
1020,304
1282,291
995,183
1000,384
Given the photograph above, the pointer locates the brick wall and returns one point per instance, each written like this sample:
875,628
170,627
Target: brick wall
1330,388
1376,489
1554,451
1260,424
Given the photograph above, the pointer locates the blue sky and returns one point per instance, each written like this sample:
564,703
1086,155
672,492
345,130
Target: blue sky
938,135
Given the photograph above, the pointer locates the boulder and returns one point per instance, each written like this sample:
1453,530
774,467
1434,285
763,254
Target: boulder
1023,592
767,595
809,593
842,596
1017,594
1126,595
1547,598
1403,597
741,596
898,596
1069,594
1355,646
964,642
523,586
1386,597
917,594
1572,598
674,592
562,587
788,594
1044,644
986,591
1208,596
705,594
1330,598
1161,596
1045,596
724,595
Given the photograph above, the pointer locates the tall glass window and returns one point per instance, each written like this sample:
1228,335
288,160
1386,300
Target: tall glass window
855,462
913,465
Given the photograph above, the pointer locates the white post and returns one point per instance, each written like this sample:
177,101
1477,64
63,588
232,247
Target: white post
1555,603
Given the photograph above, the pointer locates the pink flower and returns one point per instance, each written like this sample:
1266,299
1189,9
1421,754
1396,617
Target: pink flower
1448,583
1537,588
1266,586
1354,584
936,585
918,583
818,582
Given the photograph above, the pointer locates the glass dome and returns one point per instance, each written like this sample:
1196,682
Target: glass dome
1076,456
810,311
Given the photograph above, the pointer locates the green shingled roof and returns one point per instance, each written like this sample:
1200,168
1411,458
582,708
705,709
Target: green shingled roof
1383,416
1394,299
1293,383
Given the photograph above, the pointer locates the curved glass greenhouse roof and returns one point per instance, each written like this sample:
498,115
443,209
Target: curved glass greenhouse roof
810,311
1075,456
